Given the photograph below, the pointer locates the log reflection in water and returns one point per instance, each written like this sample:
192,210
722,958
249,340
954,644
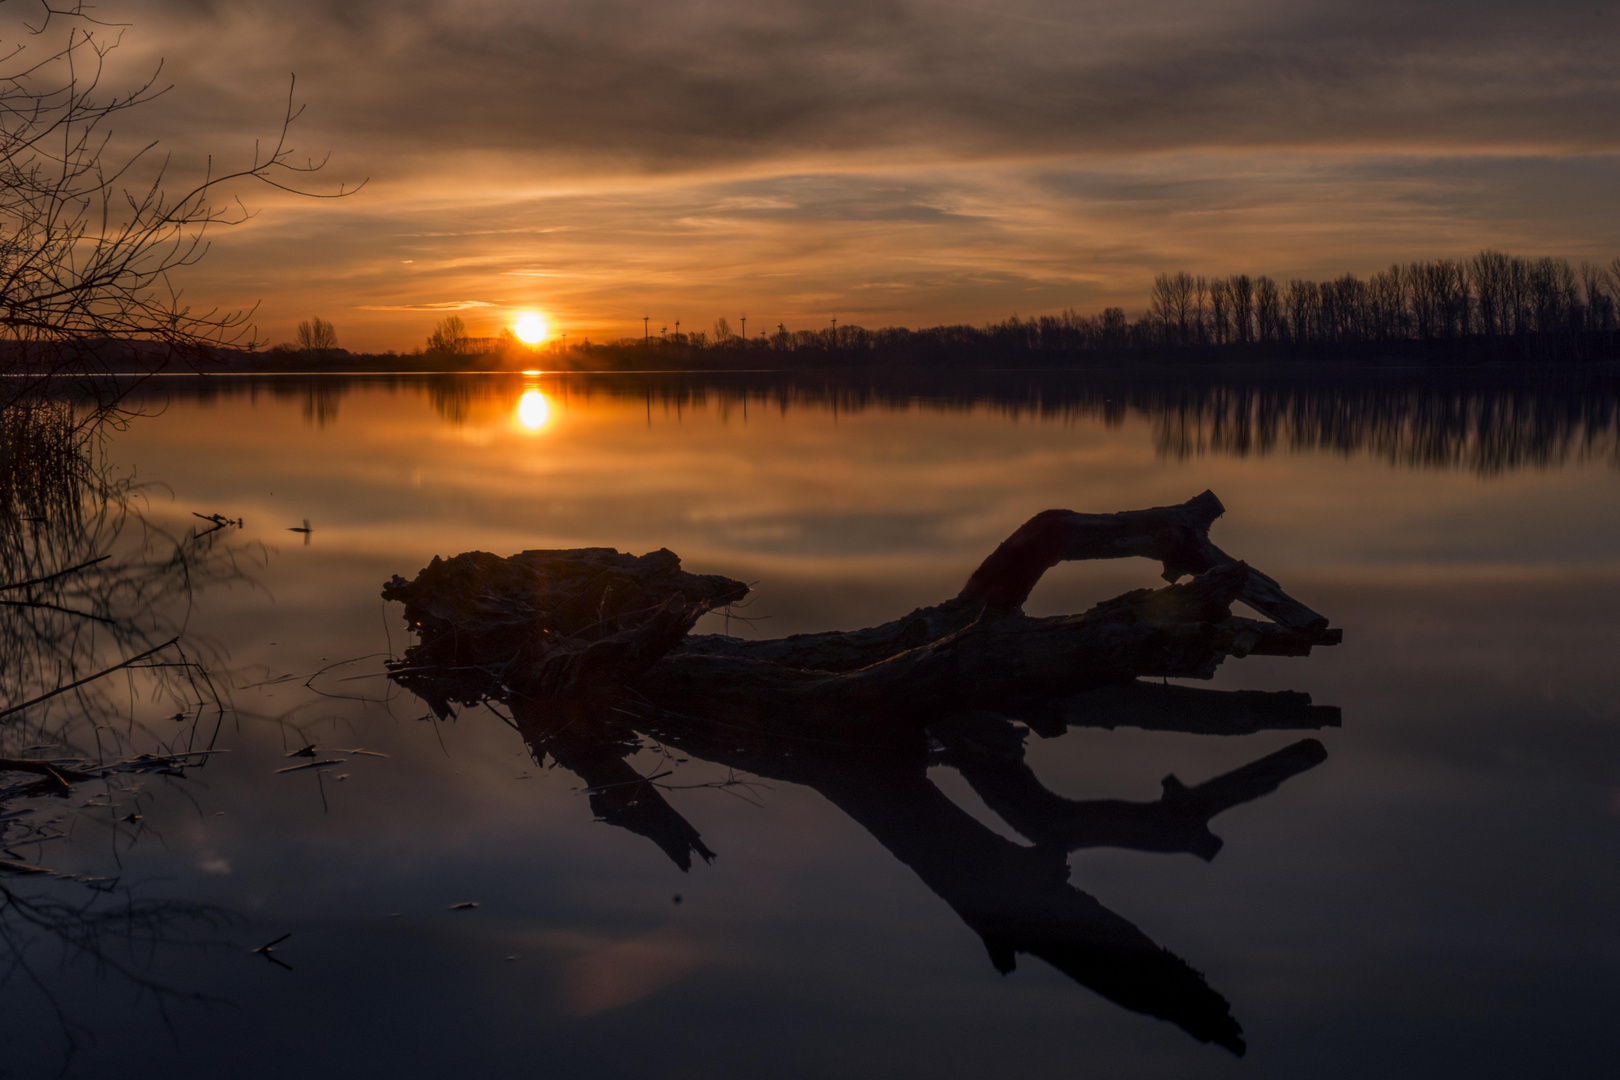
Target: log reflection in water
588,648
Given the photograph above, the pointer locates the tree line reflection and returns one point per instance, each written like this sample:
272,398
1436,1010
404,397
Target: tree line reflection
1485,420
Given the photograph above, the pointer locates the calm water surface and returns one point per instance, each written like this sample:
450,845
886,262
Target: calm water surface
1437,898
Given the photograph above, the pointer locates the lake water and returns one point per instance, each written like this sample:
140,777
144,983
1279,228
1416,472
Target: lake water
1438,897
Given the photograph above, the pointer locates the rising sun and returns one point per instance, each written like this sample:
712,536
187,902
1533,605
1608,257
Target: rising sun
530,328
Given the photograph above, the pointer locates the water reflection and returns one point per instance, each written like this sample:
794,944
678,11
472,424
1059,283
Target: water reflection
102,690
533,410
588,649
1459,846
91,585
1483,419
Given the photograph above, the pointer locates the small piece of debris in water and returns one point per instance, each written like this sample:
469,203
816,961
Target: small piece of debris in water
465,905
677,898
509,959
268,951
313,765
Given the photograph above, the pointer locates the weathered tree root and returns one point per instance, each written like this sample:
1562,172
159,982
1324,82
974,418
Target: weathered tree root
587,622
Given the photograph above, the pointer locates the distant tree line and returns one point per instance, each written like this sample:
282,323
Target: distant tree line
449,346
1551,307
1491,307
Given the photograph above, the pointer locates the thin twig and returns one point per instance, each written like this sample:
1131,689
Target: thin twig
53,577
87,679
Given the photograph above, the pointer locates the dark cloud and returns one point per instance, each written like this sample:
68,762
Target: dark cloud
676,85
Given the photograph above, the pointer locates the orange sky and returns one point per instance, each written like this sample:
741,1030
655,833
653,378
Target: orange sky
902,162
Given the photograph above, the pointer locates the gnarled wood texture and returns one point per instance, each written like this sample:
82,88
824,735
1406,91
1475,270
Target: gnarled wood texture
583,622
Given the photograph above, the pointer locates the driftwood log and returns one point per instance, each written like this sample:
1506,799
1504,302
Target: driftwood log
591,650
593,624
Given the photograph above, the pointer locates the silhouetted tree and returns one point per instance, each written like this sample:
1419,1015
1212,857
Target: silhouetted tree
1242,292
316,339
1200,303
1113,328
1220,307
1388,295
1489,272
1598,310
1268,310
1173,305
1301,310
449,337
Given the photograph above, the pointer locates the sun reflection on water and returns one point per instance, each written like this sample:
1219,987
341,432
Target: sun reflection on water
533,410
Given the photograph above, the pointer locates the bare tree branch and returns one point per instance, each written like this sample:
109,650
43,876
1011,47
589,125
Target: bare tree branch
91,239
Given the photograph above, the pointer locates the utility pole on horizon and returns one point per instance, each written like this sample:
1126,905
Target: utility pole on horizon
646,335
745,328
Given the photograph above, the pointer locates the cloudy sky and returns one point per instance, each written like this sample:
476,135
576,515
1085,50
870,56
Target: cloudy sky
882,161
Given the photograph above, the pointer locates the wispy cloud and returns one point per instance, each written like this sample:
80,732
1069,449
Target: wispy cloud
445,305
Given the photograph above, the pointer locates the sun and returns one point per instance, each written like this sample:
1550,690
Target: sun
531,328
